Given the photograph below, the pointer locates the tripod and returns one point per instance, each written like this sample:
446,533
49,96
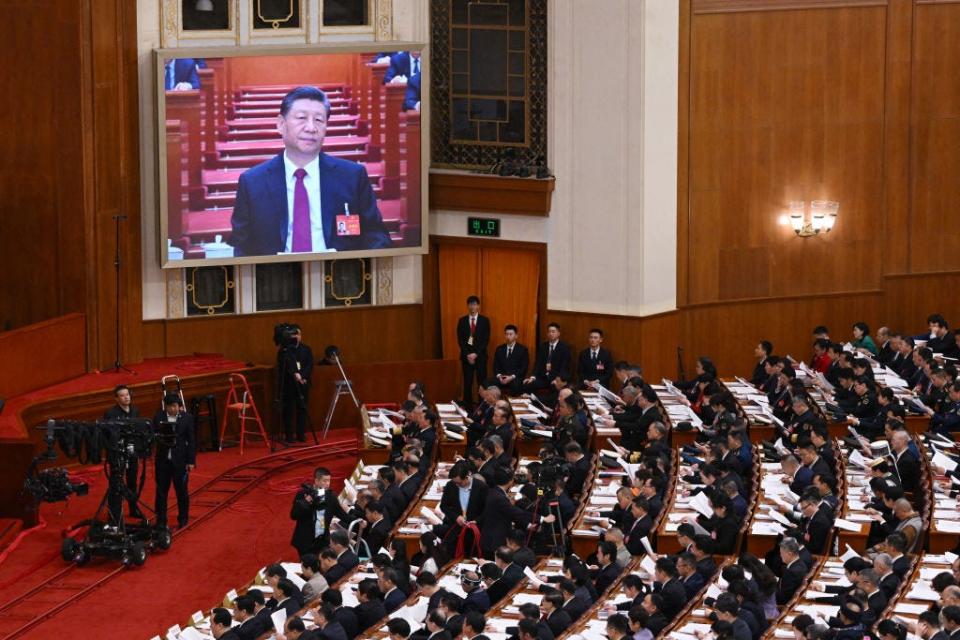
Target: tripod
342,387
117,365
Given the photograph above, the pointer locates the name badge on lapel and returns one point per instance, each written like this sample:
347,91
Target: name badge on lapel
348,225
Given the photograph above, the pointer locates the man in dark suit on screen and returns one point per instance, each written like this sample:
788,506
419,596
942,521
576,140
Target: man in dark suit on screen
303,200
403,63
473,336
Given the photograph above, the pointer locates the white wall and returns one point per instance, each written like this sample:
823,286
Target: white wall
612,117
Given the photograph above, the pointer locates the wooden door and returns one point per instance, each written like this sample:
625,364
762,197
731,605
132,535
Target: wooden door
507,280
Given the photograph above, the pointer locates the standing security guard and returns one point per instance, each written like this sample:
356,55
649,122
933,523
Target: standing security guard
124,410
295,361
176,457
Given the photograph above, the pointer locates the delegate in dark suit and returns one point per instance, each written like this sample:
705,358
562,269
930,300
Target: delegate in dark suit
674,596
499,516
551,363
515,364
597,366
179,71
171,462
452,509
260,217
558,621
473,336
376,534
333,631
400,65
369,613
412,97
345,562
305,510
790,581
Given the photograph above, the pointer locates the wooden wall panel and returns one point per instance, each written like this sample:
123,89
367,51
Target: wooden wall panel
371,334
935,162
41,158
511,280
459,277
42,354
649,341
68,165
909,299
784,105
728,332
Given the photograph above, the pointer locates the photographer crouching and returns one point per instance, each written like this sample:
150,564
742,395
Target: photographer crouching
176,457
294,367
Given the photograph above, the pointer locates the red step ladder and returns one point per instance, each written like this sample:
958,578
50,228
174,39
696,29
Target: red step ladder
240,401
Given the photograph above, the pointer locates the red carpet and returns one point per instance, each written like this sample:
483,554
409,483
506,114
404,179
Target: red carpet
147,371
204,563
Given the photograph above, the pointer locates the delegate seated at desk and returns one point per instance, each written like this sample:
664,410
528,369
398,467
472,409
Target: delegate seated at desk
296,201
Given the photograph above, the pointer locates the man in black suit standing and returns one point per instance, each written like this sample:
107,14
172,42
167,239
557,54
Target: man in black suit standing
510,362
175,459
473,336
313,507
464,499
500,514
125,410
553,362
295,365
595,363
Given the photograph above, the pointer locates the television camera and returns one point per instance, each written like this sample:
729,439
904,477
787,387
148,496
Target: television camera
118,443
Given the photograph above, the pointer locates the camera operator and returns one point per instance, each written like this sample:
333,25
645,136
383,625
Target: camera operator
294,365
176,457
313,508
124,410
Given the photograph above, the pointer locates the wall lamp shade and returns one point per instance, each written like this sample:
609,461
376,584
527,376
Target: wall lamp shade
822,218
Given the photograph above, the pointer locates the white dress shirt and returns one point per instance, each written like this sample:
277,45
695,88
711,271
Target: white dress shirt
311,183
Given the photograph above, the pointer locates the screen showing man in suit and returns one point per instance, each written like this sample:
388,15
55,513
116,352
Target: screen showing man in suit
318,188
282,158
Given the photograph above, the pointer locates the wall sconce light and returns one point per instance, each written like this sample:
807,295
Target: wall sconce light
823,215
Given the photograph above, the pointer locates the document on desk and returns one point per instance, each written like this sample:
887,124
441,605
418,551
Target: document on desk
940,460
701,503
846,525
279,618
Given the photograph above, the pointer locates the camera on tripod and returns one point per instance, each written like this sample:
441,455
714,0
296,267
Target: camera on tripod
285,335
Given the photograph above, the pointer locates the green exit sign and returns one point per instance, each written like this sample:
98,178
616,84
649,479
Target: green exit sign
489,227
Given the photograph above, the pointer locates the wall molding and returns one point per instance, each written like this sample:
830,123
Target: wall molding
738,6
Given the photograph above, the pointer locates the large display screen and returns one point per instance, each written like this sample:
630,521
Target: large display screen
290,154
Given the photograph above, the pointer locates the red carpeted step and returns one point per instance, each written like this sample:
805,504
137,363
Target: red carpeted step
214,555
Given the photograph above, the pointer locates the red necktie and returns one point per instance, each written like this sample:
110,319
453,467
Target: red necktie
302,240
473,325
